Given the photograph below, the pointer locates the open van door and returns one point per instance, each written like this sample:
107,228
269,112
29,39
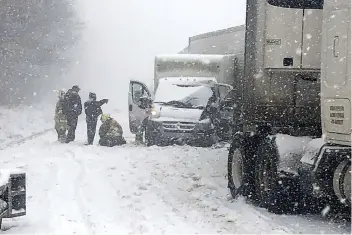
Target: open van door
136,112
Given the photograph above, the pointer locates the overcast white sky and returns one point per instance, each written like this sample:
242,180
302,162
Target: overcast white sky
122,37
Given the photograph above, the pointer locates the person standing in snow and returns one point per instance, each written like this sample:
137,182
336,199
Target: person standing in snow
60,117
92,109
73,108
110,132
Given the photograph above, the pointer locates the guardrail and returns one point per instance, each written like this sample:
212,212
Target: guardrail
22,140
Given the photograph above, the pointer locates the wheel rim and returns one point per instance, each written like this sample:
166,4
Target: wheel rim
237,168
347,185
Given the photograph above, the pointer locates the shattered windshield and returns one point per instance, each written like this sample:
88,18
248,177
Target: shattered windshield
183,96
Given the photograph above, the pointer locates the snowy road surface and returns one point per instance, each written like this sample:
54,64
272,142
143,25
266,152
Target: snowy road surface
134,189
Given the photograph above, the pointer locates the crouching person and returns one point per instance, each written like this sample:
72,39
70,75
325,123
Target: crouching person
60,118
110,132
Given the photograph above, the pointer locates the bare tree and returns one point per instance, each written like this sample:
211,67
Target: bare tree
35,38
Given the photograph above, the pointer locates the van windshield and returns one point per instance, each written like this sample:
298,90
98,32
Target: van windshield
183,96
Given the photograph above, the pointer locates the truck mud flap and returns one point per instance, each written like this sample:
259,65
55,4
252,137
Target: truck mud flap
17,195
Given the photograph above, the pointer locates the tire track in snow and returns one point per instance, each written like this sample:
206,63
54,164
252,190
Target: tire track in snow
177,207
200,203
54,173
78,192
126,212
68,217
30,137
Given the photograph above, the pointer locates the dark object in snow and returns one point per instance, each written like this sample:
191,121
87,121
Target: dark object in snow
60,117
92,109
73,108
279,193
72,125
13,197
110,132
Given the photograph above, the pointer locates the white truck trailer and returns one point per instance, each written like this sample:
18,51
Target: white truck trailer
298,82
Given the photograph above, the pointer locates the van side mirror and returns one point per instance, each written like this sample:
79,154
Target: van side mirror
144,102
226,104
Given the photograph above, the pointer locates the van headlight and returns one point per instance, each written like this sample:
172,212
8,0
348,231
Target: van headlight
155,113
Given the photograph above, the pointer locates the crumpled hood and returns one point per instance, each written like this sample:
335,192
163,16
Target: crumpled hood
170,113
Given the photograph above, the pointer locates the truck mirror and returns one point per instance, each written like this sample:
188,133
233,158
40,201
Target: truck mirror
144,102
226,104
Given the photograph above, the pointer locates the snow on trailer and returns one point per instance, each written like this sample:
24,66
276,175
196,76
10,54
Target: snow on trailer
186,58
290,150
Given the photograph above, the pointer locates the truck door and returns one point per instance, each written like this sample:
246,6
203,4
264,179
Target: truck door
136,112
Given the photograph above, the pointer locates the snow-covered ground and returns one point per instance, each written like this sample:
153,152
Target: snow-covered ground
18,123
73,188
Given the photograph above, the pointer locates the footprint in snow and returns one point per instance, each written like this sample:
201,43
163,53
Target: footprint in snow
141,187
138,194
127,197
197,185
196,178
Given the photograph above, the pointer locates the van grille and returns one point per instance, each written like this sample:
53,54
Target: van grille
178,127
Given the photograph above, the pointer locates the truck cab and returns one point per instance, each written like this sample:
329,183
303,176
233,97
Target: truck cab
183,110
287,180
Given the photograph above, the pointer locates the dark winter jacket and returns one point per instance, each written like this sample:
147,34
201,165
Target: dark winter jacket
92,108
73,104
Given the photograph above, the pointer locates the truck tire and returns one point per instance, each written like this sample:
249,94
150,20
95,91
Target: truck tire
240,168
279,193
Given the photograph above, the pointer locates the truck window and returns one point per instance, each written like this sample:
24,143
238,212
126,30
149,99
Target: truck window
138,91
301,4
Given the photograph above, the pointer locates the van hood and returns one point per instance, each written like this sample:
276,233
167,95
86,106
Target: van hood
170,113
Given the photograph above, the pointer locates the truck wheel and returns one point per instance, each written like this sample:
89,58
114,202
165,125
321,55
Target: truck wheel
240,168
278,193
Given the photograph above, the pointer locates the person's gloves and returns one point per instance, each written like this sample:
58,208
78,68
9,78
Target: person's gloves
106,101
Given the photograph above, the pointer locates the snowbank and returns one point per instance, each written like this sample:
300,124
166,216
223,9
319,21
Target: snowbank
312,151
291,150
21,122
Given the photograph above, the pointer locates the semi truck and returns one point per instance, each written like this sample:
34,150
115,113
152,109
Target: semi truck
296,86
187,104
